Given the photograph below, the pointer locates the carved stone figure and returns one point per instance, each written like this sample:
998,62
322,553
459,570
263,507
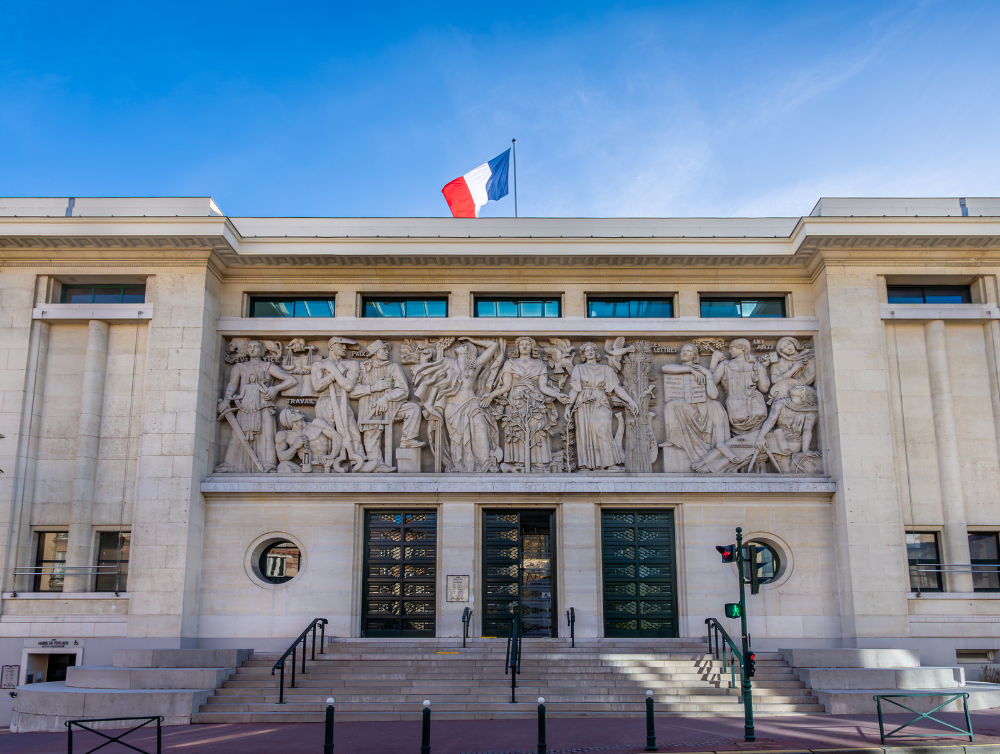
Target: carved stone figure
528,418
382,391
473,435
337,376
746,382
314,443
591,388
640,442
794,364
298,361
694,419
787,433
251,447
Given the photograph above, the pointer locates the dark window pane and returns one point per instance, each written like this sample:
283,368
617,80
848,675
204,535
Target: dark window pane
773,307
720,308
921,546
51,559
947,294
383,308
134,294
507,309
78,294
271,308
657,308
107,295
406,307
983,546
769,562
314,308
922,553
743,307
108,559
903,294
985,577
486,308
279,562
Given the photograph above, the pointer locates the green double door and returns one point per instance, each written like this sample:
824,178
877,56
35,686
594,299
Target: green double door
640,579
518,569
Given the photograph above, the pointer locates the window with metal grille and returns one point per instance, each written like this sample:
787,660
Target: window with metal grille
631,308
925,562
518,307
404,307
280,306
742,306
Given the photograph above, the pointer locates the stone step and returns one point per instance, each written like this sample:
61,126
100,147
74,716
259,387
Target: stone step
501,696
236,685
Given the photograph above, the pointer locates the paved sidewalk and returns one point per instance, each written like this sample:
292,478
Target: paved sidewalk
565,735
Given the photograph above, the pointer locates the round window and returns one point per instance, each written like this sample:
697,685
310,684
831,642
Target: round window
769,560
279,562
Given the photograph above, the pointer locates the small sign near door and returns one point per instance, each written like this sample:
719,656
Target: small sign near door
8,677
458,588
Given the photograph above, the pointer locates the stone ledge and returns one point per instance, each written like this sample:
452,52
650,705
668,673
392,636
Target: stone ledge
514,484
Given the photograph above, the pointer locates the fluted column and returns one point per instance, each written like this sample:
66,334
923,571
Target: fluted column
956,532
79,545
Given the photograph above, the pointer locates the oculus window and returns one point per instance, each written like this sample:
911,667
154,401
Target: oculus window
50,561
769,562
924,560
404,307
108,557
929,294
630,308
278,306
743,306
985,562
104,294
518,307
279,562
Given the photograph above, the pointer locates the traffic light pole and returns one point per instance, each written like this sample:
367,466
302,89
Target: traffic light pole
748,732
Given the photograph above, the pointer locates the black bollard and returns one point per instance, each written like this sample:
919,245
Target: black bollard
425,735
650,730
541,726
328,739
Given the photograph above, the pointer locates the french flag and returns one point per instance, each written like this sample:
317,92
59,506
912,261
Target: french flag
467,194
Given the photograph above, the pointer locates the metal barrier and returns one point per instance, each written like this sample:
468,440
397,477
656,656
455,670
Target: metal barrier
466,621
513,661
924,716
280,664
571,622
112,739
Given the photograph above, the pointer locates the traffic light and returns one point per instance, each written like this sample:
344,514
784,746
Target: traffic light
751,561
728,553
733,610
751,665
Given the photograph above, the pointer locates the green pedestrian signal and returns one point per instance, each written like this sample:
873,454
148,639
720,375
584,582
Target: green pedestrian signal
733,610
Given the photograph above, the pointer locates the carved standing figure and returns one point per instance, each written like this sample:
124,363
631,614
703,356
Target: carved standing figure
382,391
694,419
528,419
474,438
250,389
314,443
790,424
334,378
794,365
745,382
591,388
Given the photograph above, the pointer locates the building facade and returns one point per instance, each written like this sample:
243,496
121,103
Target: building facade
216,429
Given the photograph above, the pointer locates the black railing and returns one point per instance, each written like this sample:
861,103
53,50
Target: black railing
466,622
725,649
113,739
512,663
571,622
280,664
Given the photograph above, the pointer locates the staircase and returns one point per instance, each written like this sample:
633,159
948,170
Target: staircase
389,679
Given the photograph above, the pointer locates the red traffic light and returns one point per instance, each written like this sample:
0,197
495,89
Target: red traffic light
728,552
751,665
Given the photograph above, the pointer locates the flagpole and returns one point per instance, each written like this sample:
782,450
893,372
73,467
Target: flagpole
513,148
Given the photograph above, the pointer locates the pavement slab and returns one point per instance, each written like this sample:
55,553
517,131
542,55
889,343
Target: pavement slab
848,734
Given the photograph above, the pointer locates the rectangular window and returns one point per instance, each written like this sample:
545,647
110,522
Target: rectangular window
743,306
104,294
925,563
929,294
404,307
108,557
985,562
631,308
518,307
50,561
279,306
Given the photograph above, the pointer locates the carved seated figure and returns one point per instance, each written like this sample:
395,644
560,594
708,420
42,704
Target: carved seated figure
303,444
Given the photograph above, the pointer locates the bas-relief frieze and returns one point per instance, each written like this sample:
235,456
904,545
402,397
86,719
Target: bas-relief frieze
467,405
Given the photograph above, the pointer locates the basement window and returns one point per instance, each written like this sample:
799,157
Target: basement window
973,656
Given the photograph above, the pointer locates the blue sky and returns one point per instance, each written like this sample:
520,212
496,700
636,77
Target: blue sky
634,109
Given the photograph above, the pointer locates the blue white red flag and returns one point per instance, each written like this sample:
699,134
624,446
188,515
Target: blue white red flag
466,195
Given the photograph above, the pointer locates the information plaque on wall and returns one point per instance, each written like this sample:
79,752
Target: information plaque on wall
8,677
458,589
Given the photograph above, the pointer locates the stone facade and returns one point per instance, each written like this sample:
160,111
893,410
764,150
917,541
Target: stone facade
205,433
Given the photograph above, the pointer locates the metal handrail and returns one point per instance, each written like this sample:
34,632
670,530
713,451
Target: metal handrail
466,621
280,664
512,663
571,622
719,651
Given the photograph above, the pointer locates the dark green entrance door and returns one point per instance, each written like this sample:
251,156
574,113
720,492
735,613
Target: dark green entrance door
518,564
400,570
640,582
